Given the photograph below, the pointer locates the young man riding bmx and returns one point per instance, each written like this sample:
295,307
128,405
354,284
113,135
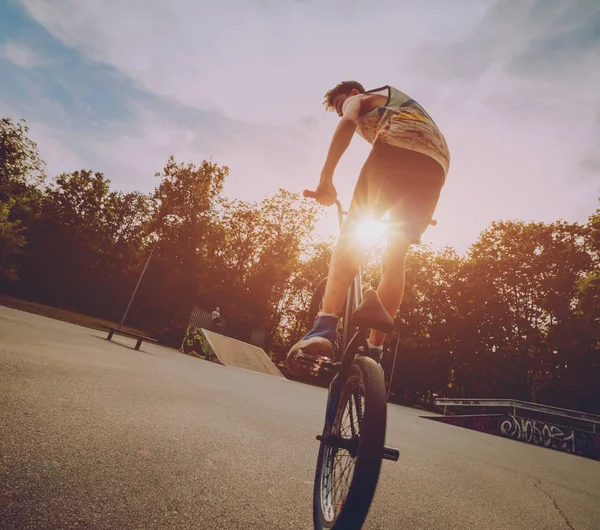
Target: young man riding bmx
403,174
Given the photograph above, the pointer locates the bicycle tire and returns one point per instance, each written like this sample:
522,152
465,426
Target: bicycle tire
362,372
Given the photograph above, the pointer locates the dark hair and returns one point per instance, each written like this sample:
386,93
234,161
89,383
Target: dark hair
345,87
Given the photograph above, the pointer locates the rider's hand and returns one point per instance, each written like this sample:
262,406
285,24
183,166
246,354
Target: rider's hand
327,194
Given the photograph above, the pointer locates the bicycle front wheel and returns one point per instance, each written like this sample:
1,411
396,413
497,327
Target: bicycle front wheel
351,448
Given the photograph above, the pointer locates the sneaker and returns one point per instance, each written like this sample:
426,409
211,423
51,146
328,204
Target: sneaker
315,345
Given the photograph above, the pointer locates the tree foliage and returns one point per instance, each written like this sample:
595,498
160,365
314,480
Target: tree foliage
517,317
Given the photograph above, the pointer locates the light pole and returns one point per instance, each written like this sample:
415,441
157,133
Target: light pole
138,283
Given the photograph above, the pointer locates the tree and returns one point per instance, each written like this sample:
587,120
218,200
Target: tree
12,242
83,243
518,316
310,270
20,164
288,224
183,218
517,294
261,250
21,171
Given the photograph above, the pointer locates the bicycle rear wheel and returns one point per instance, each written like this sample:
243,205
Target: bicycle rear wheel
351,448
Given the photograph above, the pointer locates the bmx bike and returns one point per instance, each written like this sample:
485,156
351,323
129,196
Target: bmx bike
352,444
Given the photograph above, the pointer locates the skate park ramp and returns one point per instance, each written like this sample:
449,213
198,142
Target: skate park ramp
232,352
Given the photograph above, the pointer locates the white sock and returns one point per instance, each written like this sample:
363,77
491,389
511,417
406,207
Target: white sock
373,347
321,314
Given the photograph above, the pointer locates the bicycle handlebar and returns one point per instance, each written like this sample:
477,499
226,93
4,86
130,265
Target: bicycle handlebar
314,195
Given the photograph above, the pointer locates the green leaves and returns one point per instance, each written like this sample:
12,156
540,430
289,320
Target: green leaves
518,316
12,241
20,164
21,172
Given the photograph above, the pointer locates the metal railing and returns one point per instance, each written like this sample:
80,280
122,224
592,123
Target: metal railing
514,404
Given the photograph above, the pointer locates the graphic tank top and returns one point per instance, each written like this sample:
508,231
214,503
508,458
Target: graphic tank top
404,123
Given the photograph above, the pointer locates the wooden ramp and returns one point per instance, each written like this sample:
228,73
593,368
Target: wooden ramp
232,352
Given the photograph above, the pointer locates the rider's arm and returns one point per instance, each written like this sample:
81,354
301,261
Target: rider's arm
342,135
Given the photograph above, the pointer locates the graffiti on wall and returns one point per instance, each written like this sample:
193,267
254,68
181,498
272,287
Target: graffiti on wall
195,344
538,433
552,436
535,432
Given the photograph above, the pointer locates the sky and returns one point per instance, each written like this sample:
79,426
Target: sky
118,86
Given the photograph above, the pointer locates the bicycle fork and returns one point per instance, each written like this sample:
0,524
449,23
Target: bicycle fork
333,396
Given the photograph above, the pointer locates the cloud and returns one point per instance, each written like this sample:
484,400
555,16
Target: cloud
512,84
21,55
54,149
130,151
54,146
128,133
270,62
517,98
136,149
591,167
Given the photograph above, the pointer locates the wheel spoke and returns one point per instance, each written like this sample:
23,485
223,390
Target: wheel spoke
352,429
345,473
340,462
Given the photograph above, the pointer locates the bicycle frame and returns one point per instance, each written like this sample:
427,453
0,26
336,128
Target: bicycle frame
350,334
354,295
367,449
353,300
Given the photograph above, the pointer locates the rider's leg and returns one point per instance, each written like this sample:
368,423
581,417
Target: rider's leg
391,285
343,268
321,337
414,184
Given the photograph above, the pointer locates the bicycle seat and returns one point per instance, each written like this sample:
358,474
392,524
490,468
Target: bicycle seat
371,314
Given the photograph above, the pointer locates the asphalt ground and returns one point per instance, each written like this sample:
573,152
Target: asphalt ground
94,434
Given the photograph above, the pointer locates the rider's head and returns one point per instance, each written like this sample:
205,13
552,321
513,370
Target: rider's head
335,97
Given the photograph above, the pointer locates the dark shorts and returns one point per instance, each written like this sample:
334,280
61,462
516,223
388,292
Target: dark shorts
403,182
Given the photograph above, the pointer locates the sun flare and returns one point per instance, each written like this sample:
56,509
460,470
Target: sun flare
370,231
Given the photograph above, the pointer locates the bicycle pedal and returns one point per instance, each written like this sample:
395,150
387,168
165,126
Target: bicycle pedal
389,453
313,363
330,367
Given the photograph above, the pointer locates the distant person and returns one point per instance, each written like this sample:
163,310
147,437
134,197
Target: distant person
215,320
